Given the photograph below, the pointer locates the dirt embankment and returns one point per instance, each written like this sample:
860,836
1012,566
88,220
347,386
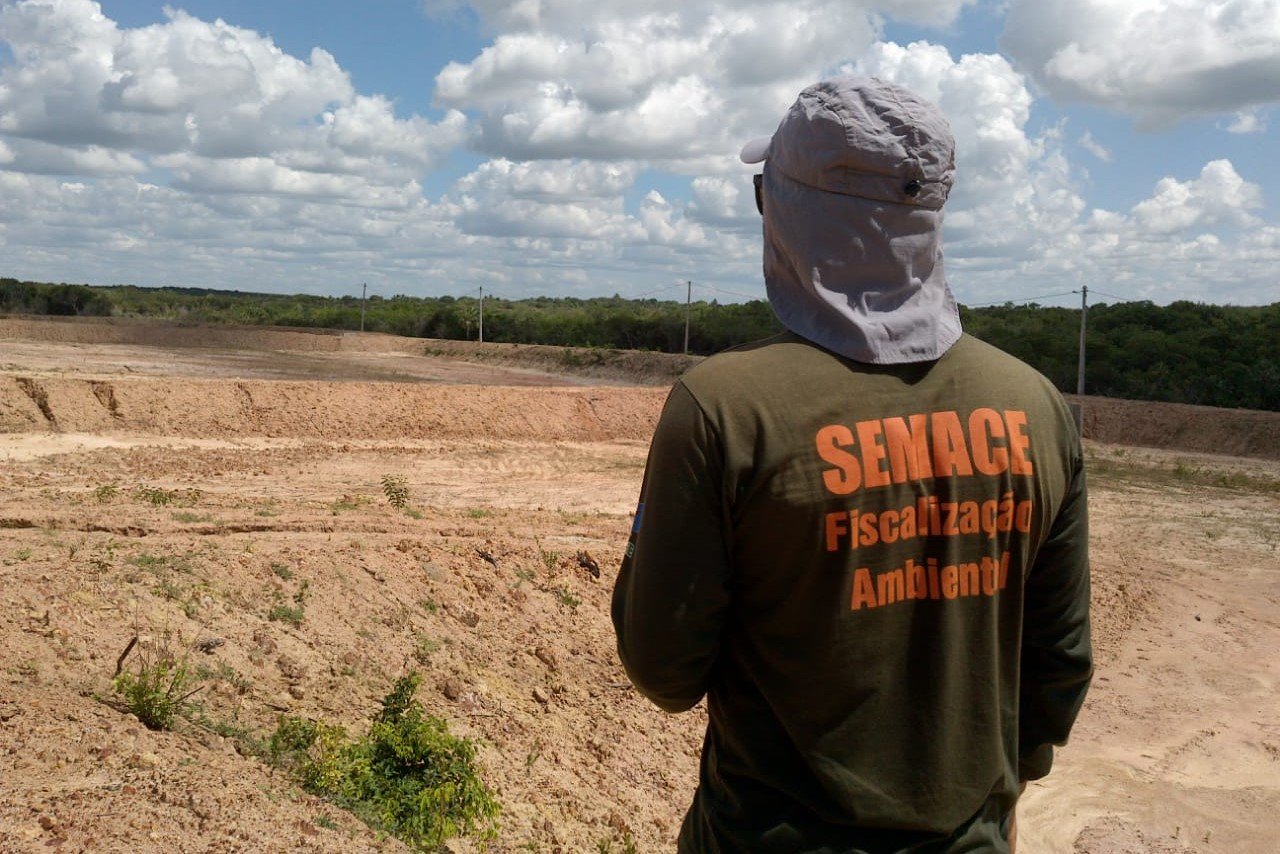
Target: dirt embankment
319,410
155,333
636,367
619,366
1180,427
416,405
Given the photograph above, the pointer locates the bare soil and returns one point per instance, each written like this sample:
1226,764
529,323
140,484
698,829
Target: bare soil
273,487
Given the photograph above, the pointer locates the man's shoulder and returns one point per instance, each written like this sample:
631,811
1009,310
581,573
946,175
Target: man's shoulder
754,365
786,367
783,355
977,358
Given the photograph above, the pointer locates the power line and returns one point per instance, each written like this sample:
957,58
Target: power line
734,293
659,290
1113,296
1019,301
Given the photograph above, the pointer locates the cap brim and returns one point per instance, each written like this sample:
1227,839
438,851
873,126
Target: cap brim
757,150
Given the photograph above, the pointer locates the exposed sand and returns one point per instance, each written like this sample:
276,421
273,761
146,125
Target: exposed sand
1178,748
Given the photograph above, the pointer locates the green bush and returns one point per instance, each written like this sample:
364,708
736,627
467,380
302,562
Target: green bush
158,692
396,490
408,776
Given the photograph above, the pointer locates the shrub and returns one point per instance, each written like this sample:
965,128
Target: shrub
396,490
408,776
160,689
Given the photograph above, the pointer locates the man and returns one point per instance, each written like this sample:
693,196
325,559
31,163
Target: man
864,539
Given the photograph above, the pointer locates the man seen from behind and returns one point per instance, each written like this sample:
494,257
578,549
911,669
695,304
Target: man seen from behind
863,540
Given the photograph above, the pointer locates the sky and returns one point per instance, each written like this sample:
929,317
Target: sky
589,147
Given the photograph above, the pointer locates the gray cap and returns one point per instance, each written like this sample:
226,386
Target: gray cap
855,179
861,136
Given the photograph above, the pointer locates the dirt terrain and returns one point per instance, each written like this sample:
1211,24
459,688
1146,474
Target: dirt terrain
182,492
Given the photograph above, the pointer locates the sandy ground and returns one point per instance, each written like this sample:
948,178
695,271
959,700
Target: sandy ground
1177,749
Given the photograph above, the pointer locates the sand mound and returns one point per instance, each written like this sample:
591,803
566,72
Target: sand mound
1177,426
220,409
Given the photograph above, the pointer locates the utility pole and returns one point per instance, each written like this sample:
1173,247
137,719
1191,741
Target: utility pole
1084,314
688,299
364,289
482,314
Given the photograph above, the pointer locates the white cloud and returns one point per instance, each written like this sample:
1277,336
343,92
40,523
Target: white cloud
84,97
557,199
724,203
29,155
1247,121
1097,149
1159,60
676,82
585,16
1219,196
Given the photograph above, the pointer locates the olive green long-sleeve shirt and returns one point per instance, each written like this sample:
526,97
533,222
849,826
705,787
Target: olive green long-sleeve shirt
878,577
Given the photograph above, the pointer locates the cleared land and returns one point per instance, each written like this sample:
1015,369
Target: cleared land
184,493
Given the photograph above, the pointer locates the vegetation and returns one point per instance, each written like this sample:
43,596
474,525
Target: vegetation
1184,352
408,776
159,689
291,614
396,488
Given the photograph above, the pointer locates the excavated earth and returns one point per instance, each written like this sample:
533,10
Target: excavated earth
181,483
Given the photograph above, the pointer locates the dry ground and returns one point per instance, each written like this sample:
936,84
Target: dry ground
1178,748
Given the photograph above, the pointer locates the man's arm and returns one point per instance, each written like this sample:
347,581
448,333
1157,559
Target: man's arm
1057,659
672,592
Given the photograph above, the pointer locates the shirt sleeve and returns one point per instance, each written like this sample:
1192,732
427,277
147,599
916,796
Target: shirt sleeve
672,593
1057,657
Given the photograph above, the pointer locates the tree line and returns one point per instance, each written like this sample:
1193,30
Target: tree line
1184,352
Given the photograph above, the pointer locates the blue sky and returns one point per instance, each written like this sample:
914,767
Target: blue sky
584,147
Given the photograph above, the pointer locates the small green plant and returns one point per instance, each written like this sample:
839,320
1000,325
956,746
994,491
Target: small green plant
566,598
396,489
23,554
478,513
189,517
347,502
549,558
169,590
154,496
282,571
159,689
324,821
223,672
423,648
159,564
429,605
26,669
605,846
407,776
282,613
105,492
291,614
